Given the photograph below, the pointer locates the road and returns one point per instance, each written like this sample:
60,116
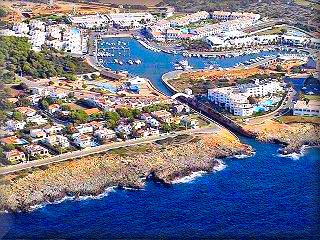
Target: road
100,149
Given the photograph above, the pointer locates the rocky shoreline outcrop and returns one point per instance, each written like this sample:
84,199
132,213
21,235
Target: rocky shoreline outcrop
165,161
291,136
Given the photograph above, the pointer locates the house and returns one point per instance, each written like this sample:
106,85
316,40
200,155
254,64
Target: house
145,116
38,119
193,123
138,125
54,129
178,109
153,122
303,108
35,150
38,134
13,125
162,115
13,140
15,156
84,128
154,132
41,91
105,134
97,125
59,140
26,111
142,133
53,108
125,129
58,94
82,140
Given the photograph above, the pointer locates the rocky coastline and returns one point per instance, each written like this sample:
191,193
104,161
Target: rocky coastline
291,136
163,161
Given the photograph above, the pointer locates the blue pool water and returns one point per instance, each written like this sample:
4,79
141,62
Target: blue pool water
262,196
268,102
259,109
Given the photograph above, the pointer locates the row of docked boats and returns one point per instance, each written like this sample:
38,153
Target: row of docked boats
182,65
130,62
147,46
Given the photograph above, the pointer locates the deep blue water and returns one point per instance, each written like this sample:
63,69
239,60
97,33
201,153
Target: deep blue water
263,196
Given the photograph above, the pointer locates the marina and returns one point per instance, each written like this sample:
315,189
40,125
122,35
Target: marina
145,61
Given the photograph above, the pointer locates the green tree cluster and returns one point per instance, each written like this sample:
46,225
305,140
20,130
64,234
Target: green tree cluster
17,56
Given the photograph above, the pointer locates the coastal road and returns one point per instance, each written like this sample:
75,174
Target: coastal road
101,149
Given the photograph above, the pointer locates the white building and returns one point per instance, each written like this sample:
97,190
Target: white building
37,38
21,28
132,20
53,130
105,134
84,128
235,99
190,18
35,150
57,140
303,108
13,125
82,140
90,21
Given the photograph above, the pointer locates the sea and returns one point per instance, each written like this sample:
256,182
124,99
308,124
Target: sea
265,196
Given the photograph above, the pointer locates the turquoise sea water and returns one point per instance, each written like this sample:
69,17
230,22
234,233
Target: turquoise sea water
266,196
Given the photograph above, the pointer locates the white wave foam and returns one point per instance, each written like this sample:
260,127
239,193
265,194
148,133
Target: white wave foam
188,179
68,198
220,167
195,175
102,195
293,156
133,189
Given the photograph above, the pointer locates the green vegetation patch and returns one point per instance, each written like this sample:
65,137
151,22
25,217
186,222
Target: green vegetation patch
17,57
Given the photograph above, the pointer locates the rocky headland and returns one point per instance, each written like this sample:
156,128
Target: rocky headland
164,161
293,136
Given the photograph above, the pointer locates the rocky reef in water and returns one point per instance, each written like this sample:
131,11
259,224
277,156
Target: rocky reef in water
165,161
292,136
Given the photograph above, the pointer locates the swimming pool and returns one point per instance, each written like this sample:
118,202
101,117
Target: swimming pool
259,109
268,102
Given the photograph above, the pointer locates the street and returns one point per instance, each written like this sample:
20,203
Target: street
100,149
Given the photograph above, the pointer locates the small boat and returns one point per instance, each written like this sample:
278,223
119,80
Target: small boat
130,62
120,62
116,60
138,61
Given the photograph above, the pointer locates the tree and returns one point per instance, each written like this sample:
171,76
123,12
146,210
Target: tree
279,68
79,116
125,113
3,12
111,119
9,147
166,127
17,116
94,76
